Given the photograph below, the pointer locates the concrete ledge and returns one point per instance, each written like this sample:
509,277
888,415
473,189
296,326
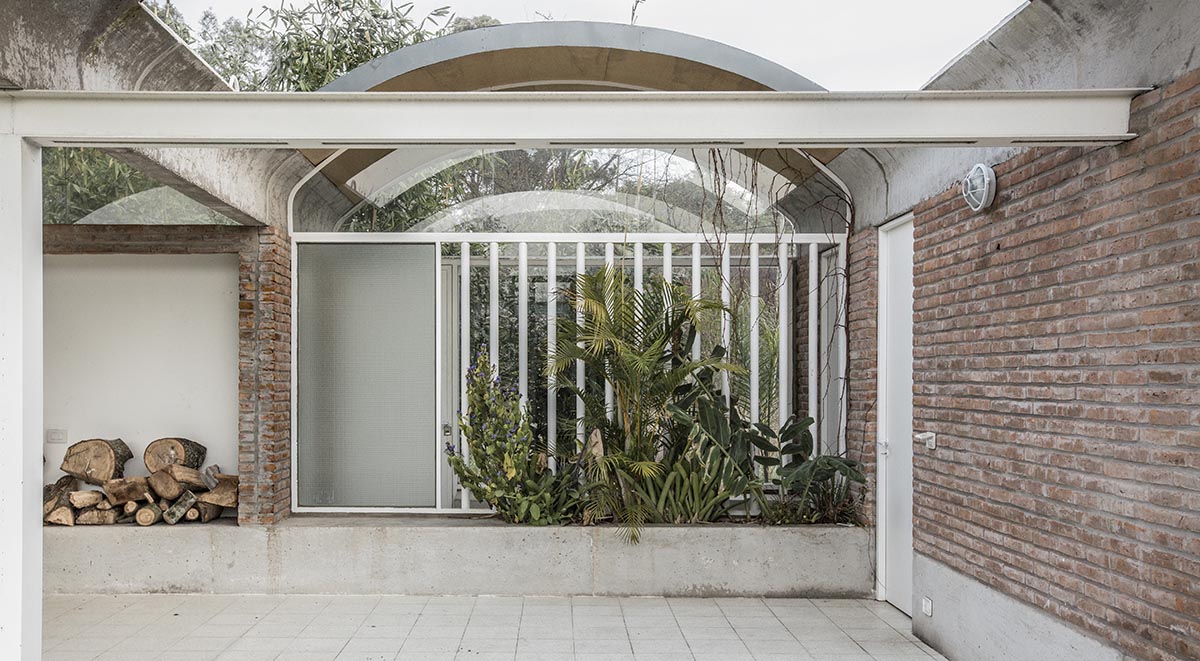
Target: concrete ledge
973,621
362,555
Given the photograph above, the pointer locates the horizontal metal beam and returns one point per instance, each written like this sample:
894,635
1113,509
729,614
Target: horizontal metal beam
715,238
550,119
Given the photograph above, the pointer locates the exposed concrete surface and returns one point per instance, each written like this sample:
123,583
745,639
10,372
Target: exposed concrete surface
1048,44
71,45
361,555
973,622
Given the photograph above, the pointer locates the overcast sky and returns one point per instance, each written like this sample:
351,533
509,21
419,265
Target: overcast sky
842,44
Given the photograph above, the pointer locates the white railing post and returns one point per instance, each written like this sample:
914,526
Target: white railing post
667,262
784,282
580,374
464,352
438,378
523,322
726,316
697,282
494,305
843,284
754,330
608,389
637,267
551,341
814,372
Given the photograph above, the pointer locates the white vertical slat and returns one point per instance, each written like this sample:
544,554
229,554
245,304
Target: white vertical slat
523,322
580,375
608,389
638,277
551,340
754,330
843,283
464,349
667,262
726,315
814,372
494,305
696,283
438,394
784,369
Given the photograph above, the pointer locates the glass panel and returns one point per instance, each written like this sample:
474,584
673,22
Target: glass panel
365,375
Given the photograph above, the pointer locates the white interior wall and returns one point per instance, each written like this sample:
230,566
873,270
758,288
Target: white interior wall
139,347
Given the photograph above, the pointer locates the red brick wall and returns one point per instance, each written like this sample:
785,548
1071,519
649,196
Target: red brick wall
1057,356
264,344
862,268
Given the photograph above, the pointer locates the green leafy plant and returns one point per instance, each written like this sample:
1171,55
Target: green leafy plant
506,466
812,489
638,342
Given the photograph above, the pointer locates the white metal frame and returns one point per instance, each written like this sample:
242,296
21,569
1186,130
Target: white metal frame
495,242
121,119
881,354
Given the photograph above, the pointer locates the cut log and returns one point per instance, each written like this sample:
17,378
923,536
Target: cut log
104,504
130,507
190,478
97,460
96,517
84,499
192,515
148,515
174,451
210,476
208,511
63,515
177,511
165,485
53,495
225,493
124,490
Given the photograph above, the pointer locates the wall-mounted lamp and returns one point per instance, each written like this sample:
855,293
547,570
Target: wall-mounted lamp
979,187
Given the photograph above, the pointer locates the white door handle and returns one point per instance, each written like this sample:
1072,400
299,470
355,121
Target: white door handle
883,447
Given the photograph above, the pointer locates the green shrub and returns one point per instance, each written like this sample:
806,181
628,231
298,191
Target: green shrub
506,467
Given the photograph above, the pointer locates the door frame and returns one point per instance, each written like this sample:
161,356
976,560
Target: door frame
881,356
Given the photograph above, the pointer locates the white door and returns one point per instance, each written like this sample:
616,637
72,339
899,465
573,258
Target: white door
895,449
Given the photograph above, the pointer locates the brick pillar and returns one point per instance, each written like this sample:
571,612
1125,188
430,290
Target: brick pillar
862,332
264,368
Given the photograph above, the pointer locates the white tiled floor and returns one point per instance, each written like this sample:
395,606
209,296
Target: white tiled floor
196,627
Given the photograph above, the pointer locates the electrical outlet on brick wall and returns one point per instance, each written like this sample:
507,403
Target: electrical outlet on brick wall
928,438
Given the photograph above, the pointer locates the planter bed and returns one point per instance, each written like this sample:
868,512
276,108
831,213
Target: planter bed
408,555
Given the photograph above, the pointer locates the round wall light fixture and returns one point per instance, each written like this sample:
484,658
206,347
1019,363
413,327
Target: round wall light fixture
979,187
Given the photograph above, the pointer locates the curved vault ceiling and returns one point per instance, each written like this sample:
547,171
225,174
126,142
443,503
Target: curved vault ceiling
558,56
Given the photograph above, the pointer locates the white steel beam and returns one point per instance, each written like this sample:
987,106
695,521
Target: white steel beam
814,318
755,374
697,288
551,119
580,374
666,262
726,316
20,399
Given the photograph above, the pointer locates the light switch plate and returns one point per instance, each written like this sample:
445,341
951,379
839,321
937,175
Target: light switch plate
928,438
927,606
56,436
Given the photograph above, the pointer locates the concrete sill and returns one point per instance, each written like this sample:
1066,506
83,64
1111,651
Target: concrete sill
428,555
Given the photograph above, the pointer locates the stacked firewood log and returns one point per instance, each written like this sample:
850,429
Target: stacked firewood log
176,489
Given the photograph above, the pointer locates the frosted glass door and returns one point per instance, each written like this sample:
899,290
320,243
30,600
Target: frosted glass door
365,411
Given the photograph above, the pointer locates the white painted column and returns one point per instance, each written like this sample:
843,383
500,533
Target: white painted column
523,322
20,399
551,341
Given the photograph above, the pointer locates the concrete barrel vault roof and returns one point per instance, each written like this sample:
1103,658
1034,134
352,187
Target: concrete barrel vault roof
566,56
